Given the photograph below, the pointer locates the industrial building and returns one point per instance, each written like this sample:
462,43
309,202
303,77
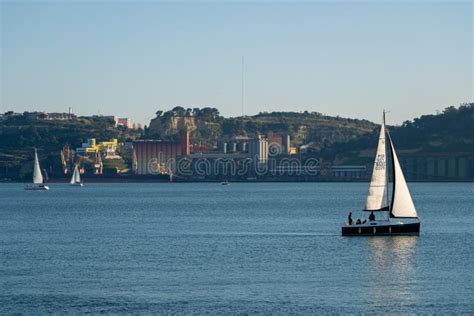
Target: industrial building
282,140
124,121
258,150
457,167
157,156
92,147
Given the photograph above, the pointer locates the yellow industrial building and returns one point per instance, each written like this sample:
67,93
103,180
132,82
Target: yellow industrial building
91,147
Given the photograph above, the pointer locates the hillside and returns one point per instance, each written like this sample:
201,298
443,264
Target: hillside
451,131
19,135
208,127
432,147
439,146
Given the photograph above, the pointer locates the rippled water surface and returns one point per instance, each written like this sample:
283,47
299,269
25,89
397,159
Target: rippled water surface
251,248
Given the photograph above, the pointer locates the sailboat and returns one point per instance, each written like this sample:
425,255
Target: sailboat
76,178
400,216
38,182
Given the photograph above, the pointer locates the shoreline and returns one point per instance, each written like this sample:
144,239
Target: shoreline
109,180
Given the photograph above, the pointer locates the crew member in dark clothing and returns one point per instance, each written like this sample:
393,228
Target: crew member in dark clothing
349,218
371,216
358,221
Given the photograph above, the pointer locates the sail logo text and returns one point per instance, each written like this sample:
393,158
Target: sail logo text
380,162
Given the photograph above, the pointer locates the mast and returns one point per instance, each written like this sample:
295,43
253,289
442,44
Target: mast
393,177
386,166
242,88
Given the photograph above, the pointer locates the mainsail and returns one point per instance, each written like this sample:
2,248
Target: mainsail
377,196
37,176
402,203
76,177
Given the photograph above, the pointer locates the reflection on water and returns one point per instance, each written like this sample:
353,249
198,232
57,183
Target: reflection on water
394,252
392,265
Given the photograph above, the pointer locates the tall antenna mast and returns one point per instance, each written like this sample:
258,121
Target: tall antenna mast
242,88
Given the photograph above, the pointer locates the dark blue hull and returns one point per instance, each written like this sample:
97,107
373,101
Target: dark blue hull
382,230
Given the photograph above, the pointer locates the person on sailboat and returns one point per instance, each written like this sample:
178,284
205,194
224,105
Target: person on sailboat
349,218
372,217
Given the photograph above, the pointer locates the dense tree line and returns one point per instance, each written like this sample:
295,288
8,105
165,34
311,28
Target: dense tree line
450,131
179,111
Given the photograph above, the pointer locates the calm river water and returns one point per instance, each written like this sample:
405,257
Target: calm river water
241,248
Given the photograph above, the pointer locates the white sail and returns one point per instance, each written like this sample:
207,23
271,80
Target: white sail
72,178
402,203
37,176
377,196
76,177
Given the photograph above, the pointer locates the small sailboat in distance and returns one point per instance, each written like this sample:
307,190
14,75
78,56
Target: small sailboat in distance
76,178
38,181
401,218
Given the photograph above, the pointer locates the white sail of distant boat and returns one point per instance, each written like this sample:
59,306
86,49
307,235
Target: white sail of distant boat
76,177
402,217
37,176
377,198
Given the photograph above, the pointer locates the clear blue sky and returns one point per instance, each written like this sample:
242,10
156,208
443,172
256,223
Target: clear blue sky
340,58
